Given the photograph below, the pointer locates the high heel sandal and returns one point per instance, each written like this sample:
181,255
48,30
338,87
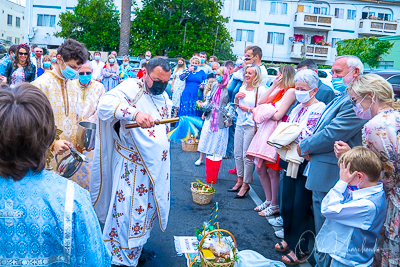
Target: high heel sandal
269,211
234,190
248,189
263,206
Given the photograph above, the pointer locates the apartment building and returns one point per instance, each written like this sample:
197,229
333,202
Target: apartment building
12,24
288,31
42,17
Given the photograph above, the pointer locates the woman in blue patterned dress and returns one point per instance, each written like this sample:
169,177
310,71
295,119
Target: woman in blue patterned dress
195,81
177,86
46,220
110,73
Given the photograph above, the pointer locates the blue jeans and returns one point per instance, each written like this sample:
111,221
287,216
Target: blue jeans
233,88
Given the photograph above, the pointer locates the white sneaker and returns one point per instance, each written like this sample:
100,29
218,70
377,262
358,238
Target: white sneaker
279,234
278,221
198,162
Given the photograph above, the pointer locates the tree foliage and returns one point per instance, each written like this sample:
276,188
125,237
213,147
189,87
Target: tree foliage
369,50
94,23
181,27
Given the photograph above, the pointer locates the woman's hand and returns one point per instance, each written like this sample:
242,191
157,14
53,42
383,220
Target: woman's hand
228,124
3,80
244,108
340,148
191,68
60,146
288,147
203,117
277,81
172,89
240,95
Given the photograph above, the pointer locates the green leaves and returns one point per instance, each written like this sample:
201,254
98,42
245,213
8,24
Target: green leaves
94,23
369,50
181,27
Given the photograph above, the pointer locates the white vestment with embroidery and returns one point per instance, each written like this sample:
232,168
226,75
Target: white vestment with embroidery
130,186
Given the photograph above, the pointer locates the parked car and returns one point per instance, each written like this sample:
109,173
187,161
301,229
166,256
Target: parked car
392,76
272,74
325,75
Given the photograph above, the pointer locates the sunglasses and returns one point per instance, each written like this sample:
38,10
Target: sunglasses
40,52
22,54
85,73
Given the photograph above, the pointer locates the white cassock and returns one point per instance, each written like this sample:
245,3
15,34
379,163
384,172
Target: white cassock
130,186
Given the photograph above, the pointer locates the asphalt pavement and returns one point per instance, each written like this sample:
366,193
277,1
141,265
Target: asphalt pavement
235,215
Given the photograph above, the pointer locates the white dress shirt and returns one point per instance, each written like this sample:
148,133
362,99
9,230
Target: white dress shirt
97,69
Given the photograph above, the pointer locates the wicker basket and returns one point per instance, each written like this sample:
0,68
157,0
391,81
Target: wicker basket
207,263
200,198
190,147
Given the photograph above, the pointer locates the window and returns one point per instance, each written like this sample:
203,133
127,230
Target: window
334,41
278,8
244,35
18,22
339,12
322,74
351,14
307,9
9,19
388,17
317,10
46,20
247,5
367,15
324,11
9,38
276,38
394,79
272,72
17,40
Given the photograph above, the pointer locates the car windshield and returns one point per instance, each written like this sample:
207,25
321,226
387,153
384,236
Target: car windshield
134,64
322,74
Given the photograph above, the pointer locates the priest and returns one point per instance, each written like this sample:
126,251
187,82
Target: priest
130,185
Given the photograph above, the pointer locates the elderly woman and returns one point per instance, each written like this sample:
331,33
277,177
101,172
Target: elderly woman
247,99
21,69
214,134
110,73
297,200
373,100
195,81
126,71
52,218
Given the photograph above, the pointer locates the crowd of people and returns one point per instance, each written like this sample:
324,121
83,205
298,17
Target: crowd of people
327,163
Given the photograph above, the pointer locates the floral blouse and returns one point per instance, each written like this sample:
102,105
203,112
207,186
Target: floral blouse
382,136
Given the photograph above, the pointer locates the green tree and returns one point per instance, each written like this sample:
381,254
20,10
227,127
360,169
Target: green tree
369,50
94,23
181,27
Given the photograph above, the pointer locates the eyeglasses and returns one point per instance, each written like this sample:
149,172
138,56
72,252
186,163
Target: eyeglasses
85,73
354,101
40,52
22,54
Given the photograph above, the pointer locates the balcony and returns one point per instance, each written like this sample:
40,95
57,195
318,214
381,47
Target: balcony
377,27
313,21
315,52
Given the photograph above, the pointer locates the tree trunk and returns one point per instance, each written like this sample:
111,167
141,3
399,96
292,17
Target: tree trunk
125,27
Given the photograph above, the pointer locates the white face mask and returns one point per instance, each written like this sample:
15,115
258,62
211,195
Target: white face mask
303,96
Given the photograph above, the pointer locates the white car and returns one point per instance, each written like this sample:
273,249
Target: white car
272,74
325,75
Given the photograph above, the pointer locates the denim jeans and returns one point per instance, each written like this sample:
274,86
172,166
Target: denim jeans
233,88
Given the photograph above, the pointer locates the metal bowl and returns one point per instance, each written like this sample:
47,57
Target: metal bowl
86,135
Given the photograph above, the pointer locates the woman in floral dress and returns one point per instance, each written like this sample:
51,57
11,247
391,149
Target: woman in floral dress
110,73
373,99
177,86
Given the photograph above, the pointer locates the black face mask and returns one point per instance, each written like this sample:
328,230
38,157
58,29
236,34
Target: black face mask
158,87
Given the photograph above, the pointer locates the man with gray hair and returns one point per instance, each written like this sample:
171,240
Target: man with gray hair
338,122
325,93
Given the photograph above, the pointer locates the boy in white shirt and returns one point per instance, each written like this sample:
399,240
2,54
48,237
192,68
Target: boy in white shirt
355,210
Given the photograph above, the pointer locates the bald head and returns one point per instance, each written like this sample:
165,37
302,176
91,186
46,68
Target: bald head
215,66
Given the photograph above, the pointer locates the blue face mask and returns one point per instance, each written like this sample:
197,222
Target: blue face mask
85,79
47,64
13,56
338,83
219,79
54,59
68,72
195,67
97,57
202,60
211,64
125,63
111,60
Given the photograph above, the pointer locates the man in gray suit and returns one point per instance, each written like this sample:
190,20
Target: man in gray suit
325,93
338,122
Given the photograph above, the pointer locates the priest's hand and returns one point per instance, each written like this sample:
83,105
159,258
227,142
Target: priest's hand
60,146
144,120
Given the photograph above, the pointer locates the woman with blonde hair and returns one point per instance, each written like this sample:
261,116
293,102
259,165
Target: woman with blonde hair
177,85
53,57
281,95
373,99
215,133
195,80
110,73
47,63
247,99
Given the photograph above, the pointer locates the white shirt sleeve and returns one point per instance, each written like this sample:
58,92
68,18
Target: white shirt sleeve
110,108
358,213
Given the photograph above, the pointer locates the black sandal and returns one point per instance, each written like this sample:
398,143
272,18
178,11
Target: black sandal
291,262
281,247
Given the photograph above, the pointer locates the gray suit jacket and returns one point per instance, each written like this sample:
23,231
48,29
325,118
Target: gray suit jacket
224,100
325,93
338,122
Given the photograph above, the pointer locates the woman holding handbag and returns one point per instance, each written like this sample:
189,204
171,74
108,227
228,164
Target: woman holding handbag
247,99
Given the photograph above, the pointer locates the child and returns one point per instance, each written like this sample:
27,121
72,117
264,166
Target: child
355,209
237,79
